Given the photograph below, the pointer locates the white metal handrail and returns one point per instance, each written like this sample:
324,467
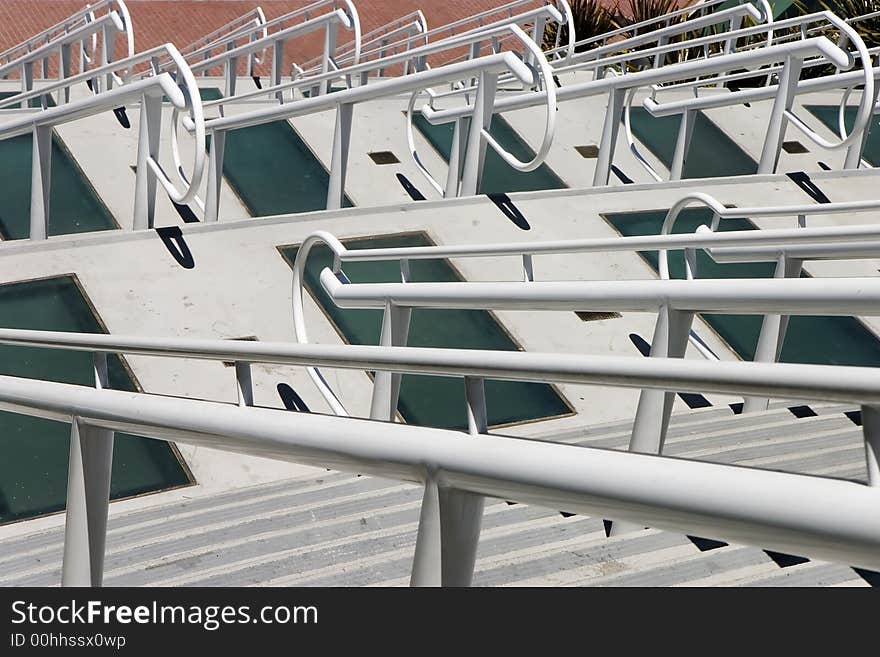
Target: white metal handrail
376,42
227,52
183,93
487,68
89,14
253,18
817,517
708,296
617,88
57,45
679,16
830,383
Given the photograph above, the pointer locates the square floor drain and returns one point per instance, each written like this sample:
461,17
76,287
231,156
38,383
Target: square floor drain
590,151
794,147
383,157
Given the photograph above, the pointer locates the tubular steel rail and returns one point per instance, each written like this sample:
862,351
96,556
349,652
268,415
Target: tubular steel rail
813,516
486,68
178,86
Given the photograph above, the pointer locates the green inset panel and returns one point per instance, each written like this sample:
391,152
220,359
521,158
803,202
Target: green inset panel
430,400
33,469
498,176
74,206
829,115
273,170
816,340
712,153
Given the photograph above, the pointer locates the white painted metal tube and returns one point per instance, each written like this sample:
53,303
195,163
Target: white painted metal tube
811,516
859,385
159,85
357,70
806,47
825,83
721,16
500,62
823,251
111,19
337,16
756,240
806,296
82,16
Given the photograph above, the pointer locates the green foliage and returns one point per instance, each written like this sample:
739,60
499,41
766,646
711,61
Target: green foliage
592,18
868,29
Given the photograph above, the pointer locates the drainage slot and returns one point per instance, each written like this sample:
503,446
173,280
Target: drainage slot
794,147
589,316
384,157
590,152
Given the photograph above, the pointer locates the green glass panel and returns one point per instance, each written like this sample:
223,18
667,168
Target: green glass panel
430,400
74,206
33,470
712,153
498,176
273,170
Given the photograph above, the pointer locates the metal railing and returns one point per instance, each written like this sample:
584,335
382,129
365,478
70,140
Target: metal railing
55,46
617,88
468,159
813,516
177,85
251,41
380,42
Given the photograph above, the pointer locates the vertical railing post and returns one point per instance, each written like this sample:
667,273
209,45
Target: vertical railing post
682,144
278,66
41,181
427,568
655,406
456,158
773,328
231,76
148,149
386,385
215,175
88,496
450,520
871,434
788,79
64,73
107,48
339,157
329,51
608,141
481,119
